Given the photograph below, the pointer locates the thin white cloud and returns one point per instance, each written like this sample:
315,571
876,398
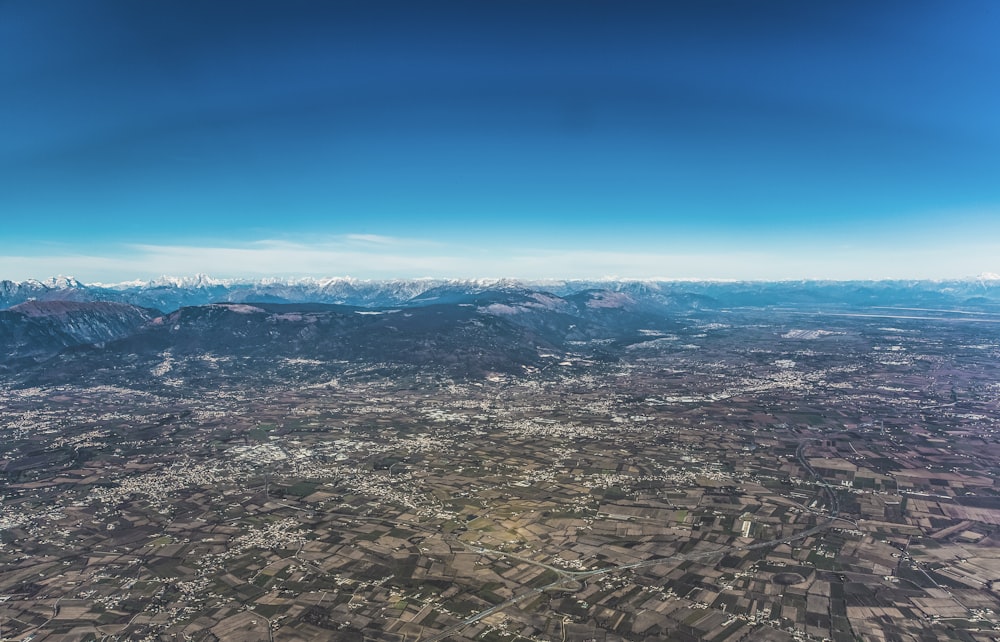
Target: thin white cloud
367,256
384,241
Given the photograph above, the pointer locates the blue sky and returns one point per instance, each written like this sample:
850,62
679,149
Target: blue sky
715,139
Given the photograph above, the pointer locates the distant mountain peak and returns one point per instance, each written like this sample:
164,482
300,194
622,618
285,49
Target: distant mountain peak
199,280
62,282
169,293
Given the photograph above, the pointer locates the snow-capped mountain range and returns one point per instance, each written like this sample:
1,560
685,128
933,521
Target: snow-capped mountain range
170,293
465,326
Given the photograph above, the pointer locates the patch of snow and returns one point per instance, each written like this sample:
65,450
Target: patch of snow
62,282
808,334
500,308
240,308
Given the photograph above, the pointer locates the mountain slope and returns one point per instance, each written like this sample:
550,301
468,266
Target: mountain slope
43,328
206,346
172,294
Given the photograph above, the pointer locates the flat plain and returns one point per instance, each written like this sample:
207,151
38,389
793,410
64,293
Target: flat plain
748,475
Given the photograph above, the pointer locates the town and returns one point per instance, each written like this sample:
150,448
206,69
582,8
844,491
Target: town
753,476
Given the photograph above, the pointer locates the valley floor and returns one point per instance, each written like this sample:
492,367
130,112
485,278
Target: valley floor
762,481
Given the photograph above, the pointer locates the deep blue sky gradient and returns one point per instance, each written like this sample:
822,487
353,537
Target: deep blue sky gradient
633,126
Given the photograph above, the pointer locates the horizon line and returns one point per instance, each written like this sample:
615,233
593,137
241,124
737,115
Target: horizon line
200,278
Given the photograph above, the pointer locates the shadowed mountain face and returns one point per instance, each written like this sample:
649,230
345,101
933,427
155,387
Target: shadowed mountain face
461,329
43,328
173,294
446,335
309,342
463,332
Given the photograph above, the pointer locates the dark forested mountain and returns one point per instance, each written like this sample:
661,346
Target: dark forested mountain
65,329
40,328
649,421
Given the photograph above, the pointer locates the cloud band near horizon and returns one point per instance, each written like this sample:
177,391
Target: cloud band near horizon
382,257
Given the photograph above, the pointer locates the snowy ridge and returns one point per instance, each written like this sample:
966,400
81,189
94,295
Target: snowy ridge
168,293
204,280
